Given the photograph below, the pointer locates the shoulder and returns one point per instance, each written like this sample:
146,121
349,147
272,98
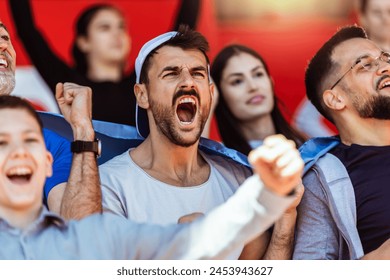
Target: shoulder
228,168
56,144
52,137
116,167
120,160
118,172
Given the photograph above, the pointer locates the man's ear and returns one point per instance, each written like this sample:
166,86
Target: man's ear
83,44
212,90
141,94
49,164
333,100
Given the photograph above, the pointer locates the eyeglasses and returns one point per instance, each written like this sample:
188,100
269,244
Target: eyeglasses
368,63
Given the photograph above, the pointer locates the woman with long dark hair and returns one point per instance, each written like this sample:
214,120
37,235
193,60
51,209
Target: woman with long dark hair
247,110
100,52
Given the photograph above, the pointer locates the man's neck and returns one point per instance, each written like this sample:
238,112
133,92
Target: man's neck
170,163
367,132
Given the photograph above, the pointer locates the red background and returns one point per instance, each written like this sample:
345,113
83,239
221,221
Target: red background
286,43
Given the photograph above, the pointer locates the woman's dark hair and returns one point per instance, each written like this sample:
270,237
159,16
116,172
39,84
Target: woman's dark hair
82,24
228,125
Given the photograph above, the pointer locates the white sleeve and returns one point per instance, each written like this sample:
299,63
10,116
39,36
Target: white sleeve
248,213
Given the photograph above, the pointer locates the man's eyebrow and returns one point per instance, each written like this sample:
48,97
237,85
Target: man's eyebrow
361,57
178,69
366,56
3,26
169,68
199,68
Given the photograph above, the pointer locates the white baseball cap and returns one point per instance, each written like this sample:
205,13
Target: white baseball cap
141,117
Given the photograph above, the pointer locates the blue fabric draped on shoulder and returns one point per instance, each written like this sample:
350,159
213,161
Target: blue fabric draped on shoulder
315,148
118,138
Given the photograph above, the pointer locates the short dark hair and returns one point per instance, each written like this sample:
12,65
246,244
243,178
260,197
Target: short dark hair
321,66
15,102
186,39
82,24
228,125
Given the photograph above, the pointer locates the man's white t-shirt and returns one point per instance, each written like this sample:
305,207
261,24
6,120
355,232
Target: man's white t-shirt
129,191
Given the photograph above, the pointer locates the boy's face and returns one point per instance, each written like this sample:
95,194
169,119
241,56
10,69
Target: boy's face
24,161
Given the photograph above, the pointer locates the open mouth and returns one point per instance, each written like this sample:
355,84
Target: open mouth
384,85
186,110
19,175
3,63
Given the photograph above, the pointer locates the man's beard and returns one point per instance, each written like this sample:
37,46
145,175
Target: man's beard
7,83
165,119
377,107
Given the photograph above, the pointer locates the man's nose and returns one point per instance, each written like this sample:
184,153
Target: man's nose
186,79
3,44
383,66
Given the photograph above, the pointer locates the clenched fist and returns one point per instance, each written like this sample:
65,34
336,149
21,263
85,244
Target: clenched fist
278,163
75,103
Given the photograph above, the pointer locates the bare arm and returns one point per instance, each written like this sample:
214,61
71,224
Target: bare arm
282,240
188,13
279,245
49,65
382,253
55,197
255,249
82,195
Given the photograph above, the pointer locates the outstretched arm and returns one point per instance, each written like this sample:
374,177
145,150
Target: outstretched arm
248,213
382,253
280,245
188,13
49,65
282,240
82,195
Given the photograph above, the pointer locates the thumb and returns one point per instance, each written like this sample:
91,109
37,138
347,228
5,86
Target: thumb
59,90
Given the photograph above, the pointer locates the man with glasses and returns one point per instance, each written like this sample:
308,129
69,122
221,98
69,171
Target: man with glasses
344,213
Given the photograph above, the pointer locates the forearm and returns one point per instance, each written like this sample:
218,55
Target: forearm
255,249
22,16
382,253
188,13
282,239
82,196
51,67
